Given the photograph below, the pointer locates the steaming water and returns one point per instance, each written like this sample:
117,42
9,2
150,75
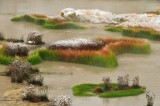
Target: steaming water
62,76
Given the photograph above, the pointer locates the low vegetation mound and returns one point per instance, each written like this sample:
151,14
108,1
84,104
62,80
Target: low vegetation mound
110,90
15,49
156,12
36,94
34,38
47,21
20,71
137,32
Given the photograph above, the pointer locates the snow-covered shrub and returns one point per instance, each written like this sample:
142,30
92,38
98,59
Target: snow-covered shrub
123,81
13,49
107,83
150,98
76,44
135,83
34,38
61,101
35,94
19,71
36,80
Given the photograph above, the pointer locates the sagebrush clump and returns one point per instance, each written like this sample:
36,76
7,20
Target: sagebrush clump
76,44
150,98
107,83
61,101
16,49
1,36
14,40
36,80
34,38
35,94
123,81
19,71
136,82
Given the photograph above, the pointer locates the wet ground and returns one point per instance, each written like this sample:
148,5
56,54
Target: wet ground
62,76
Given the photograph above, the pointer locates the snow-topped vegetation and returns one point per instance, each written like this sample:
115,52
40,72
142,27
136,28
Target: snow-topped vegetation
35,94
98,16
62,100
34,38
95,15
141,20
19,49
76,43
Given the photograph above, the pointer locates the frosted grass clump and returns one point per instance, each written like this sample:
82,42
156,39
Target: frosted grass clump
141,20
34,38
150,98
35,94
123,81
136,82
61,101
13,49
107,83
76,43
19,71
36,80
30,90
21,64
39,78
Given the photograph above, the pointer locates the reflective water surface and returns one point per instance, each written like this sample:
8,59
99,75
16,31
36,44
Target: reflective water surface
60,76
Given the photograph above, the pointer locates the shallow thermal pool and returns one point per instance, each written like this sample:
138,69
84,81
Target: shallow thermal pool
60,76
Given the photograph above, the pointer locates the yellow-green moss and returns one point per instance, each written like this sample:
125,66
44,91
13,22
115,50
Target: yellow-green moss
137,32
87,90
